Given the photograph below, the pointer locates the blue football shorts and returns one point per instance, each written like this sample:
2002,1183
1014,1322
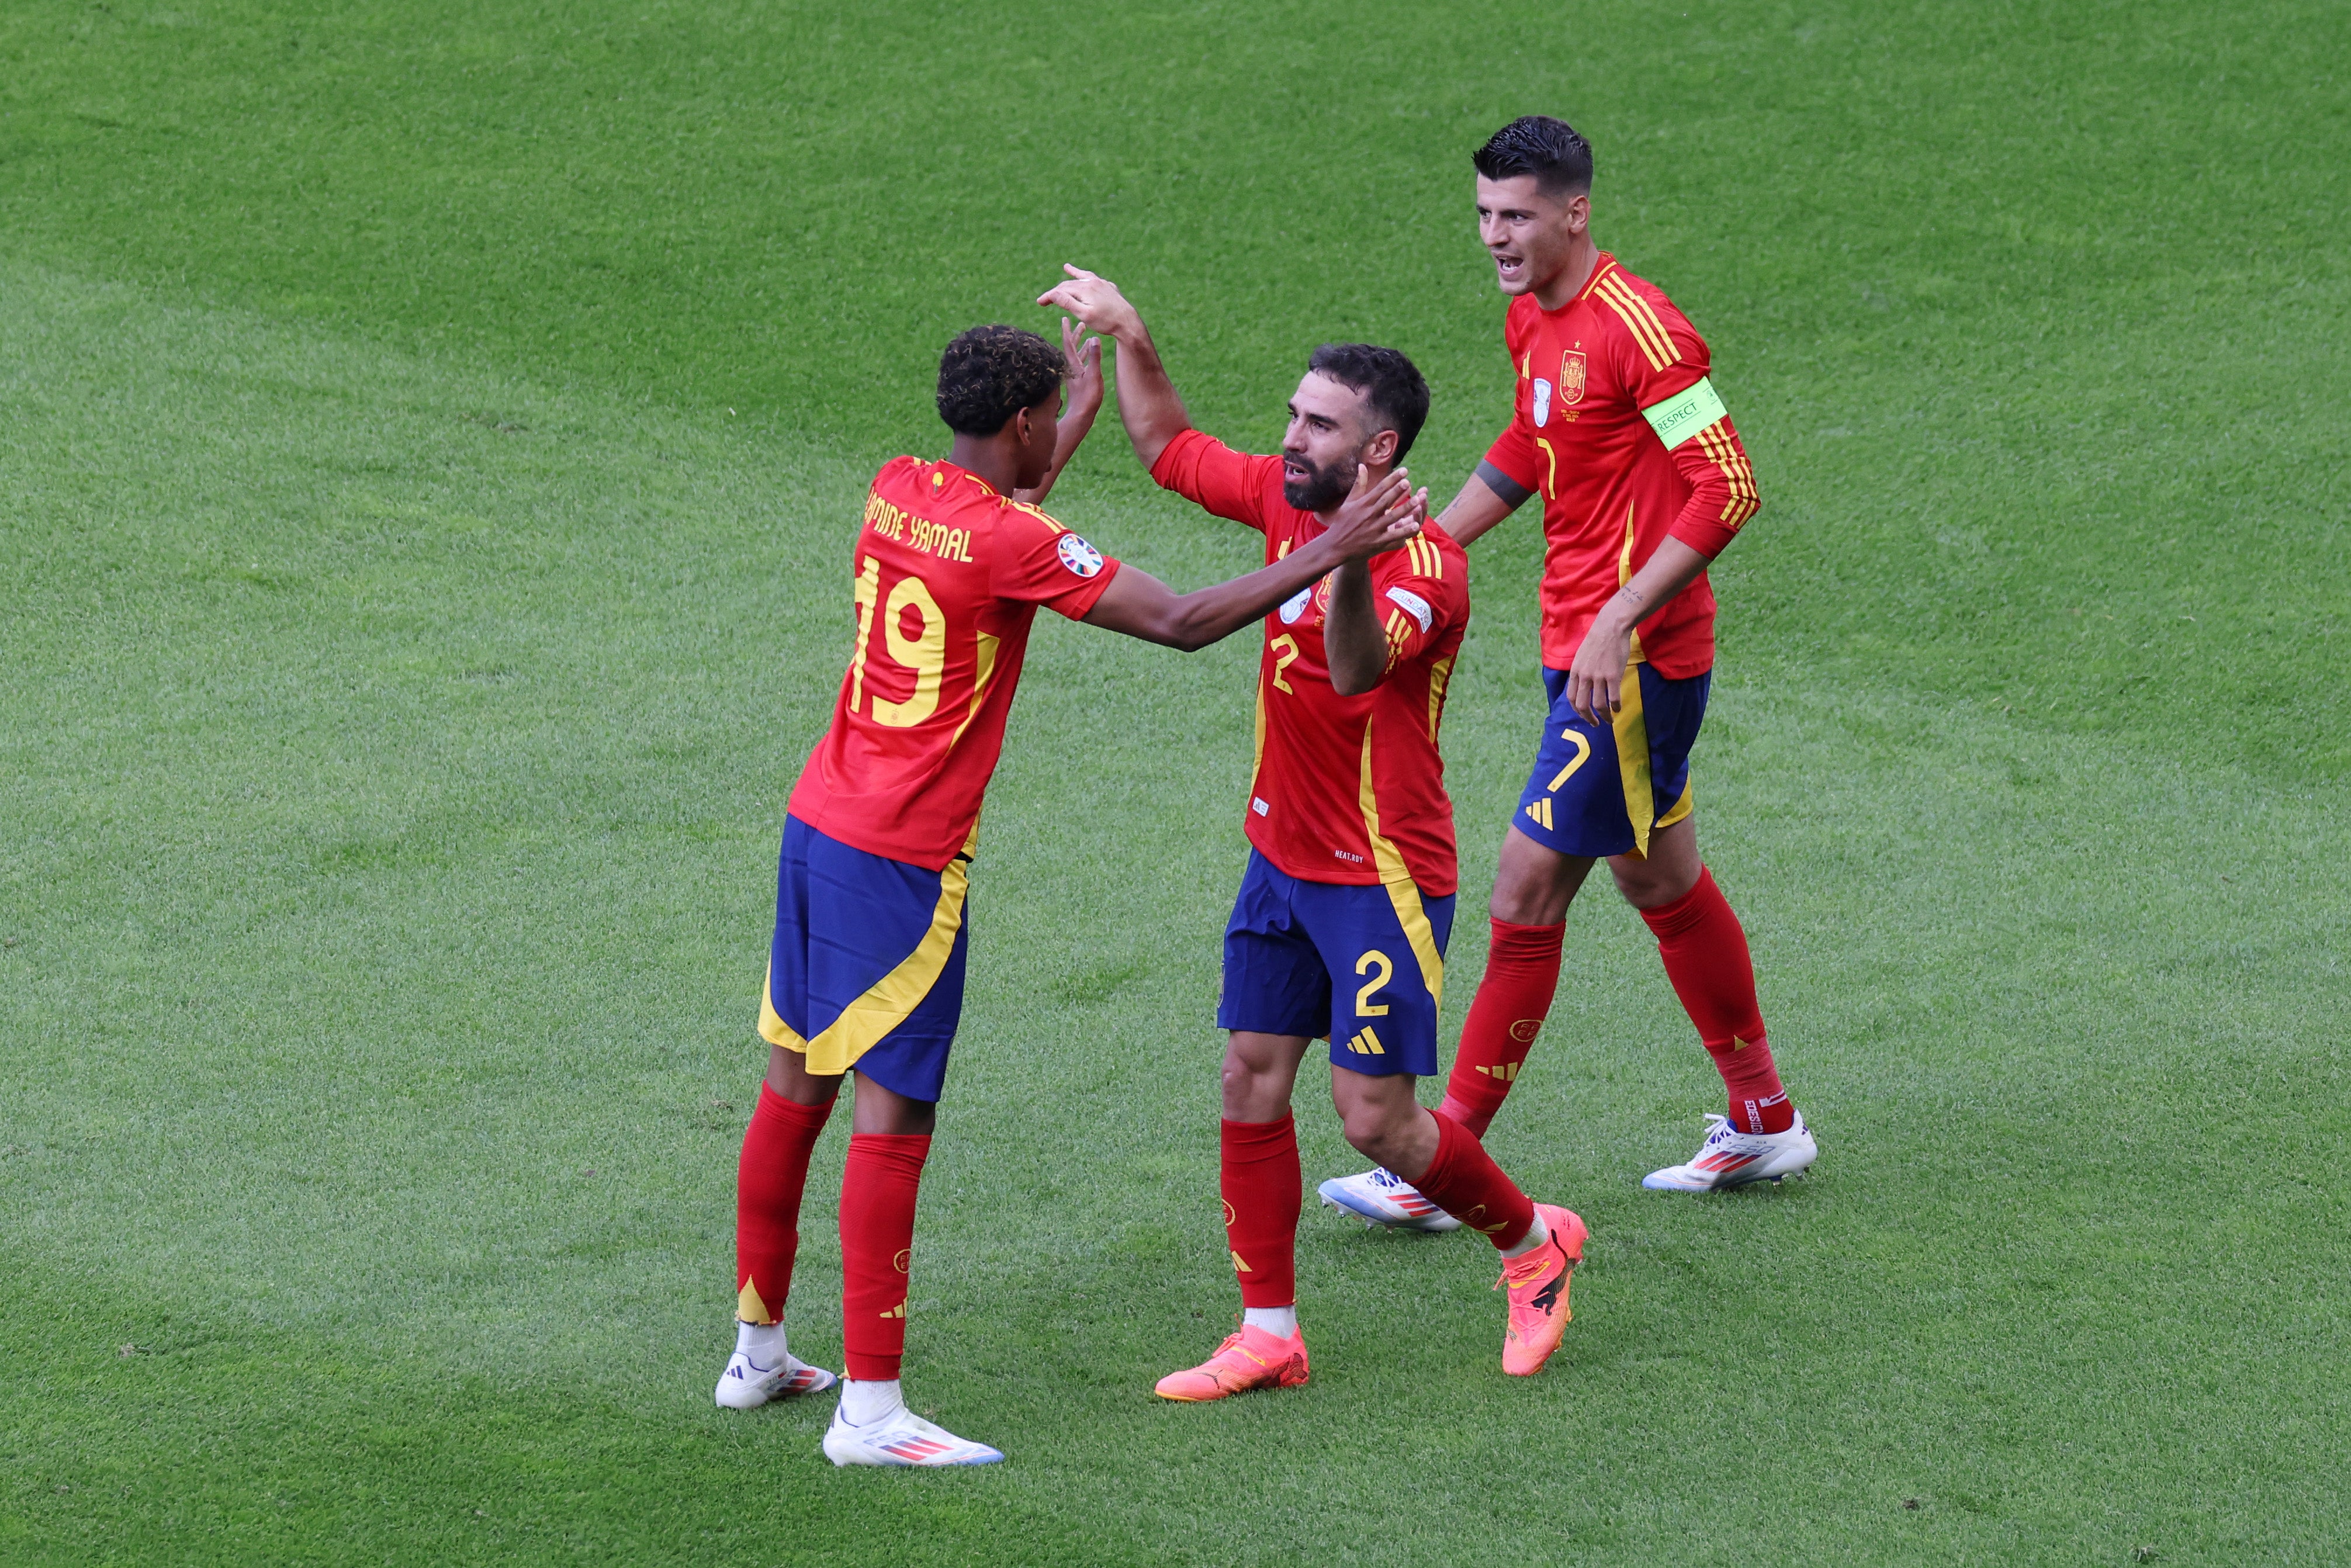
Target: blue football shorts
1602,790
1363,967
867,969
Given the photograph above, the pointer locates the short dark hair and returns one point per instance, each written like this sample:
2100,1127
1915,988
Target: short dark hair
990,373
1390,383
1536,144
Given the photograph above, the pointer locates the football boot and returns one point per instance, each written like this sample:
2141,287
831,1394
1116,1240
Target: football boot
1380,1196
1537,1282
904,1440
1249,1358
1729,1157
747,1385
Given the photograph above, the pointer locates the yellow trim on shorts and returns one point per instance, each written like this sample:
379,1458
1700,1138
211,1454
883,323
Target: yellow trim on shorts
1633,764
1402,892
1633,761
863,1024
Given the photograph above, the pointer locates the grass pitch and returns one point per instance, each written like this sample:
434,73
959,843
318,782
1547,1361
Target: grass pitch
430,440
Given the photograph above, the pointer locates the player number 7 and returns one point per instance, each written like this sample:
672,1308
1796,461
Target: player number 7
1583,754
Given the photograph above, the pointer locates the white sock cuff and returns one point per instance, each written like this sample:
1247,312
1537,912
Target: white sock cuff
1537,1234
1281,1322
862,1404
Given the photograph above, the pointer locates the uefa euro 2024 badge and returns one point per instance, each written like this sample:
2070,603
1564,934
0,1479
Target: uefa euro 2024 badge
1542,401
1295,606
1079,556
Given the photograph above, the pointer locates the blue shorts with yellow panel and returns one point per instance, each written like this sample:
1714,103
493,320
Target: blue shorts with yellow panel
1602,790
1363,965
867,969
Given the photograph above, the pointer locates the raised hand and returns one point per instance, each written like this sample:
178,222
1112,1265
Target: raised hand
1377,516
1095,301
1085,377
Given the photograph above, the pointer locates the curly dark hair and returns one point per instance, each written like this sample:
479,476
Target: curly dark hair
1536,144
990,373
1391,385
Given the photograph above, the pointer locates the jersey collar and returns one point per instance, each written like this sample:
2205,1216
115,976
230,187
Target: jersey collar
1602,265
947,470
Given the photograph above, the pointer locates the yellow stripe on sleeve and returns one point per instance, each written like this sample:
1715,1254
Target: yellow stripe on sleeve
1656,343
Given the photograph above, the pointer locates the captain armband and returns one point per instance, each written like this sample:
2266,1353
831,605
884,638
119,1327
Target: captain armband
1685,414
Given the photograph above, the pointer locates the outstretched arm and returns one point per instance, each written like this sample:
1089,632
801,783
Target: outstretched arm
1147,404
1083,382
1377,517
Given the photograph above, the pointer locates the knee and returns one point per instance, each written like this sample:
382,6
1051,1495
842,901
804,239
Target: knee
1372,1130
1647,885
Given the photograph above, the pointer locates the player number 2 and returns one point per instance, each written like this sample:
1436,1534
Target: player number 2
1284,648
1365,1006
925,652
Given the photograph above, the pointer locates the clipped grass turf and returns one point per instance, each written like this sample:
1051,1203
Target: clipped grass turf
429,440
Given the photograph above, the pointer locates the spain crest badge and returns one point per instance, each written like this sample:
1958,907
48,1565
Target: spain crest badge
1571,378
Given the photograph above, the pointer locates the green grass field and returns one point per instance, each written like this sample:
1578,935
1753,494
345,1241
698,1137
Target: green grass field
429,439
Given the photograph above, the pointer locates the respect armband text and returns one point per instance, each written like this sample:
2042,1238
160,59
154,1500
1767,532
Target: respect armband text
1685,414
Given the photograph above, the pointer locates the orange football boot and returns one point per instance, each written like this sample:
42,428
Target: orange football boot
1249,1358
1538,1285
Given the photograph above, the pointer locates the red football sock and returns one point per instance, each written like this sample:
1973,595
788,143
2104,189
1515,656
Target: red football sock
1464,1181
1259,1178
1705,950
767,1183
1521,973
877,1238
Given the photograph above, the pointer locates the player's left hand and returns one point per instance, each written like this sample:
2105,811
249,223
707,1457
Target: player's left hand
1095,301
1085,377
1596,681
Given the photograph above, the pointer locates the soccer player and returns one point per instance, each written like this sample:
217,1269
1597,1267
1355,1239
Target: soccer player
1643,482
1342,920
867,969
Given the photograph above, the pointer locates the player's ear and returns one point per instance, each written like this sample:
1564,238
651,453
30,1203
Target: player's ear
1380,448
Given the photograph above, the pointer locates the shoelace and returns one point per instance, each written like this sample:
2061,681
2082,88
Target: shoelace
1510,1263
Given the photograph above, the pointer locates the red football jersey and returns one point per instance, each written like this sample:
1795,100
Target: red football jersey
1346,790
947,578
1605,383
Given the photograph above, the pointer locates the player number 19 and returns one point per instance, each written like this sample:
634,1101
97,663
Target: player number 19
925,652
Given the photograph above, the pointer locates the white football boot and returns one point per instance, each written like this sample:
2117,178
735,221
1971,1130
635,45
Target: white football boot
747,1385
900,1438
1380,1196
1729,1157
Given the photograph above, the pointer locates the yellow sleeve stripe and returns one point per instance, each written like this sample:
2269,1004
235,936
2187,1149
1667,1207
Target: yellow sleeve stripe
1745,501
1656,343
1426,559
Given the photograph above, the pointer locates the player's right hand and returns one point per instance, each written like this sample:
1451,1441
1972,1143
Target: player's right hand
1094,301
1377,516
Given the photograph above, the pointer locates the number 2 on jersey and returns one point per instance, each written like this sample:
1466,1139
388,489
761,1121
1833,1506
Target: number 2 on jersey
925,652
1284,649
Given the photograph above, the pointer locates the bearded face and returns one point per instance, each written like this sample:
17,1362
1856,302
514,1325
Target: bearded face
1317,487
1325,441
